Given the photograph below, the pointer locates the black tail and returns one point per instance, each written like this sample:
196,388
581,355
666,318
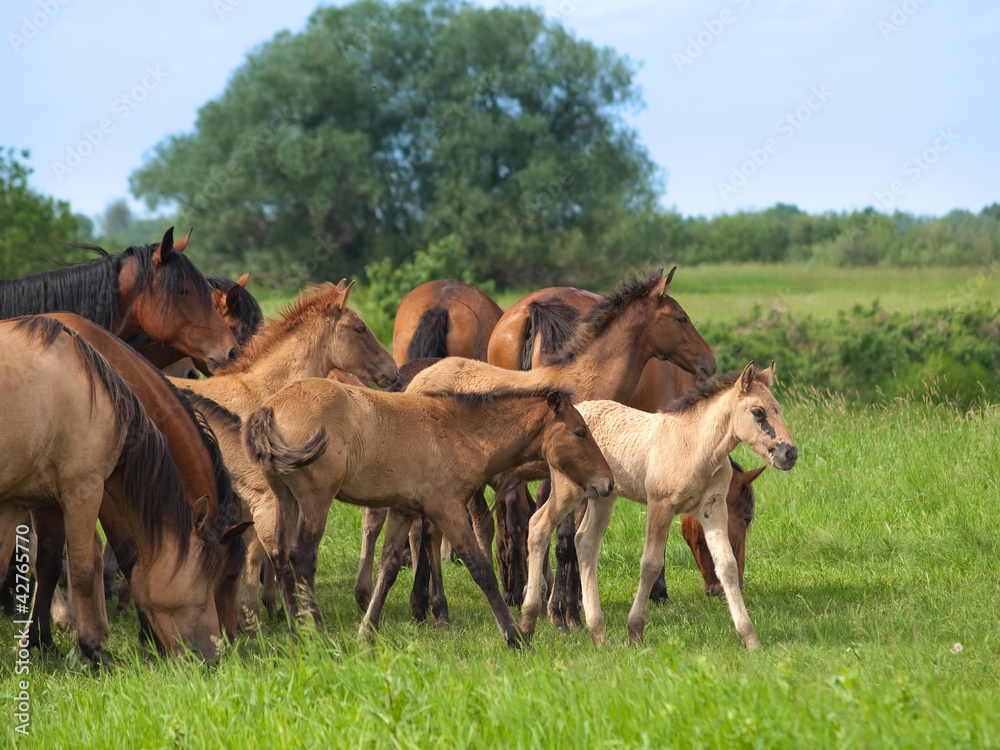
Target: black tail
555,322
431,337
266,448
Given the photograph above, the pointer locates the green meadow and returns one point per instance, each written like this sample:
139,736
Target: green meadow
871,579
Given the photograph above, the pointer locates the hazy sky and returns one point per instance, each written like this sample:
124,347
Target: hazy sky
834,104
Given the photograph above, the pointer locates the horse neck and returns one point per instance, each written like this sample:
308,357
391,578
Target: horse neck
610,366
127,517
188,450
128,325
293,358
508,433
714,436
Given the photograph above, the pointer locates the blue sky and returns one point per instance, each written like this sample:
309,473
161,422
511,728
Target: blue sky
828,104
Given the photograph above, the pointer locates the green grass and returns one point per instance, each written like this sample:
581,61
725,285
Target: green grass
866,564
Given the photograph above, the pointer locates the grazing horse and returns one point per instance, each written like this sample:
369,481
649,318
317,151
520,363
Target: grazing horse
673,462
238,308
443,318
315,334
195,452
411,453
601,357
73,430
153,290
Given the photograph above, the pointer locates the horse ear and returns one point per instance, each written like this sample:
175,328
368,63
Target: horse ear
182,243
161,253
347,292
746,377
767,375
242,280
234,531
753,474
555,401
233,296
199,514
342,284
666,285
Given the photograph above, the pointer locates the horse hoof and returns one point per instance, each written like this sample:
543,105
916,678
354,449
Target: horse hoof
636,633
102,662
443,624
714,590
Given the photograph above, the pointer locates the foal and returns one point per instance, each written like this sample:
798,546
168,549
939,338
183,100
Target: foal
412,453
673,462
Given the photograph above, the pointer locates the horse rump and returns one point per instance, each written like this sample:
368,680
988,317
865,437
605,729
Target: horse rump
267,448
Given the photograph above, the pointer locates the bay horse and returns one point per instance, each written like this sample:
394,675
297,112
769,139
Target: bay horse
238,309
153,289
314,335
411,453
672,462
441,318
602,356
71,432
195,452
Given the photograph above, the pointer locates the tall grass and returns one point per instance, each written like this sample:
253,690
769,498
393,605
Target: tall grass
867,565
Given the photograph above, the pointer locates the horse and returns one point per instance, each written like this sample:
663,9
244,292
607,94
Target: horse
74,430
412,453
442,318
602,357
673,462
317,333
153,290
238,309
194,450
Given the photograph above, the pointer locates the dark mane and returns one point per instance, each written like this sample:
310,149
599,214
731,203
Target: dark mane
91,289
501,393
247,310
312,301
204,405
409,371
150,479
555,322
607,311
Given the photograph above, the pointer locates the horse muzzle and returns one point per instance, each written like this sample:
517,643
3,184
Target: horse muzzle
783,456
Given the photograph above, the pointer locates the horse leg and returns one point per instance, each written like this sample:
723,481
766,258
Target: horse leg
658,518
397,529
249,609
438,601
548,579
80,519
564,610
51,535
269,592
314,507
110,572
562,500
588,548
715,523
279,522
452,521
694,535
482,522
420,548
518,516
658,594
373,519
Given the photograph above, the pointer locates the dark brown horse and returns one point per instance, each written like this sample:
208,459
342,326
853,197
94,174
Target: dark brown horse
601,354
153,290
195,452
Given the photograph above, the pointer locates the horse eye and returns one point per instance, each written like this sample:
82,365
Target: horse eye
757,413
682,319
581,434
359,329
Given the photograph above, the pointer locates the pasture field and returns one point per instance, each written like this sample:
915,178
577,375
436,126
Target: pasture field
868,565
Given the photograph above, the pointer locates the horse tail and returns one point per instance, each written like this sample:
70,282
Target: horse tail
266,447
431,337
554,322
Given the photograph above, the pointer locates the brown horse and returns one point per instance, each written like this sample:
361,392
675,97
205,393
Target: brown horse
443,318
195,452
674,462
153,290
412,453
75,430
232,301
601,355
316,334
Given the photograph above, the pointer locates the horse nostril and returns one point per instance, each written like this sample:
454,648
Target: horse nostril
793,454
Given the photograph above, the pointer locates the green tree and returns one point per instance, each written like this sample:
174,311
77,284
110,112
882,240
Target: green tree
382,127
32,225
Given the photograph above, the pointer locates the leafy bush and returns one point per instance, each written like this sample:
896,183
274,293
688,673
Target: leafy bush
872,354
